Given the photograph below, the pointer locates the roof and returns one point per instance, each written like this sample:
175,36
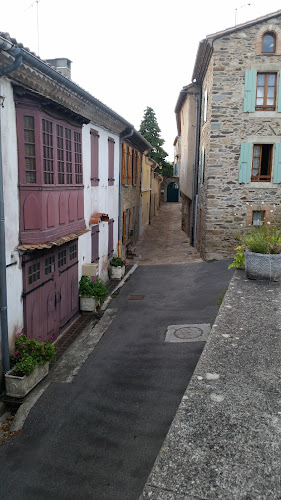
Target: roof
205,47
182,95
57,242
16,49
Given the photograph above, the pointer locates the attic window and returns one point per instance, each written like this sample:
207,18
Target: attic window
269,43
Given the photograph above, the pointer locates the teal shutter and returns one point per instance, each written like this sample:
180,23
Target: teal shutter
277,164
250,90
245,162
279,94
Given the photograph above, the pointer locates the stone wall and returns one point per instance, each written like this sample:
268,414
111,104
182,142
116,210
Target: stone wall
226,205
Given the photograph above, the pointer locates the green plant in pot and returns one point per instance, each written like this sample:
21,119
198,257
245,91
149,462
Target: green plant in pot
29,364
260,252
91,294
117,268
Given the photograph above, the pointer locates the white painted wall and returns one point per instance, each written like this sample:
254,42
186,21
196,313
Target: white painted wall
101,198
11,208
188,143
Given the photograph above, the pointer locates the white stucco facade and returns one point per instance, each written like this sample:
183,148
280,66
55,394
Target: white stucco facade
11,210
99,199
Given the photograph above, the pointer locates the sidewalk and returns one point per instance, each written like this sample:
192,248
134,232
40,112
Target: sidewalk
225,440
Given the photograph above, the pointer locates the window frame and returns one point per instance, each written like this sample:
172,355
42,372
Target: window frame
259,177
59,165
269,33
265,107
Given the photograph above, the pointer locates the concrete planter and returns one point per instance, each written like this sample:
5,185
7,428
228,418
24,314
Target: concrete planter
88,304
19,387
116,273
259,266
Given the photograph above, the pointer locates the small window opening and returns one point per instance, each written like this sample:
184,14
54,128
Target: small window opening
262,159
258,218
268,43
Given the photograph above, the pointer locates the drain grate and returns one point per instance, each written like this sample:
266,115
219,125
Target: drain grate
188,333
135,297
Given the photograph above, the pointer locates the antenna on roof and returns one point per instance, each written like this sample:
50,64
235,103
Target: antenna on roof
240,7
37,15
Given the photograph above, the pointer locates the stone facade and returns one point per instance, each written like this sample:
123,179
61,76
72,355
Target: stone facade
225,203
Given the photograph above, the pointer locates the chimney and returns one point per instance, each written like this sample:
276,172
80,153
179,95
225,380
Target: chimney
62,64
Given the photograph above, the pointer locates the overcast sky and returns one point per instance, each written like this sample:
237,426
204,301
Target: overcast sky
128,54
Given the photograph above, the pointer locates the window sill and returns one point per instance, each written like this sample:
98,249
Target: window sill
261,185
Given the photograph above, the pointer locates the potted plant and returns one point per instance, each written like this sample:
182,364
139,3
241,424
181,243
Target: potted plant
260,253
117,268
30,364
86,294
91,294
100,291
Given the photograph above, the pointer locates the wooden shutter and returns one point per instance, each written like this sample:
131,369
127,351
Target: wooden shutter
245,162
95,243
124,227
277,164
129,165
135,167
111,179
130,222
279,94
138,167
250,90
124,161
110,238
94,157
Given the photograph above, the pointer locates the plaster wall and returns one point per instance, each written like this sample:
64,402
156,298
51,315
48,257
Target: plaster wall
11,211
101,198
225,203
145,193
188,118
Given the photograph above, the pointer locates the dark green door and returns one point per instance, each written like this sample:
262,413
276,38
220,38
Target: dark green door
172,192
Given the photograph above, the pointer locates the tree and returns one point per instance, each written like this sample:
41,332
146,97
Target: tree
150,130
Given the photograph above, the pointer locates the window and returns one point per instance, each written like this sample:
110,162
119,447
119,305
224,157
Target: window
50,150
262,160
260,163
62,258
269,43
266,91
29,149
258,217
202,166
73,251
49,265
34,273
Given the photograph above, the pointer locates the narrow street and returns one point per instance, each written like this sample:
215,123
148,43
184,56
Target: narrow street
98,436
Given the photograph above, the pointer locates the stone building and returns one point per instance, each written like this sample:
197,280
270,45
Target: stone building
238,141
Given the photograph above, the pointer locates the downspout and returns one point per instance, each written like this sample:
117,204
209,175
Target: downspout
122,138
196,167
3,279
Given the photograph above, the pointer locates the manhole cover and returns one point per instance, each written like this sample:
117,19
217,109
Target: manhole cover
188,333
135,297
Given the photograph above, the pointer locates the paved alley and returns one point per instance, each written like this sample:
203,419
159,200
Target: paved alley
163,241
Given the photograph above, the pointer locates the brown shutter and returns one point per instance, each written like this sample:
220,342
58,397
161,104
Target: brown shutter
124,159
130,222
124,227
130,166
138,167
111,179
94,157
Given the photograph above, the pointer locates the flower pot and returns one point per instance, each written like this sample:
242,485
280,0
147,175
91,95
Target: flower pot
19,387
88,304
260,266
116,273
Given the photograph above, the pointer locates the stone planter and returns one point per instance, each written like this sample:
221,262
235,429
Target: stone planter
19,387
116,273
259,266
88,304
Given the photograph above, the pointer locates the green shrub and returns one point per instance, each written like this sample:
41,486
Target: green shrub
117,261
263,240
29,353
86,287
100,291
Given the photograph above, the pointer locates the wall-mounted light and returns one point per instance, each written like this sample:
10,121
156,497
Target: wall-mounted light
2,99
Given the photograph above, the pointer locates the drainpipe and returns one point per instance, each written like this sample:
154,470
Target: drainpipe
196,166
3,280
123,136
